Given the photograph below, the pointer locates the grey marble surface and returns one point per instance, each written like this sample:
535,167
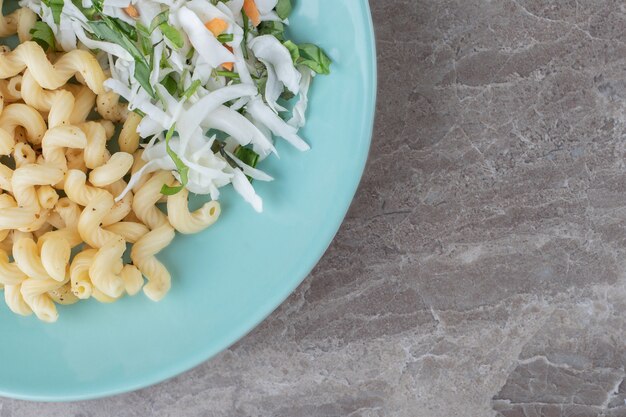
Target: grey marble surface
482,268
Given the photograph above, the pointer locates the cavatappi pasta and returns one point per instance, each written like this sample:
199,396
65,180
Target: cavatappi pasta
63,235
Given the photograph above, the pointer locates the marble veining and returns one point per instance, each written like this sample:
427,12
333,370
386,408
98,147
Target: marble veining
481,270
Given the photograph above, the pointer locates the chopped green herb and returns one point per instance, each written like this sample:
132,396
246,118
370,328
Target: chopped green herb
227,74
293,50
126,28
42,34
171,33
225,37
314,57
283,8
246,29
107,30
159,20
247,156
56,6
276,29
192,89
170,84
139,112
183,170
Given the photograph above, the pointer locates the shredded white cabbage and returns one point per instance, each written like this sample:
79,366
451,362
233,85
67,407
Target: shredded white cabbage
230,82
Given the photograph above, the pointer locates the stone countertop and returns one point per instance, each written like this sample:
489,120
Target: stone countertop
481,269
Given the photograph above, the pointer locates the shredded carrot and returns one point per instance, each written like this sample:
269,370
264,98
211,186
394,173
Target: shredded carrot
131,11
228,66
217,26
249,6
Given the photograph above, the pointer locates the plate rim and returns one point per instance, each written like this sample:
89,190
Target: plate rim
270,305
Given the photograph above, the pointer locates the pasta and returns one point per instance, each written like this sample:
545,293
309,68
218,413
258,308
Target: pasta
15,115
55,257
111,171
35,293
58,103
130,231
58,193
56,140
26,255
96,153
146,198
15,301
185,222
26,177
110,108
30,55
89,223
79,274
63,295
129,138
106,268
121,208
142,254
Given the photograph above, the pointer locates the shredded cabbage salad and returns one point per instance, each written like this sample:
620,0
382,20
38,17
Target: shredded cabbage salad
210,78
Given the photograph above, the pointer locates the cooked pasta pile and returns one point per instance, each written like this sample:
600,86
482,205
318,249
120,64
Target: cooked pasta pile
198,90
59,182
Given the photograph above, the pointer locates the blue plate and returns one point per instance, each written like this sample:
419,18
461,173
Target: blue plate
229,278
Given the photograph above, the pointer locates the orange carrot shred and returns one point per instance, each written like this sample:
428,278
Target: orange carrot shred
217,26
228,65
249,6
131,11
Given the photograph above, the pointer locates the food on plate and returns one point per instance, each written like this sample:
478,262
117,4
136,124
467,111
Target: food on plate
194,92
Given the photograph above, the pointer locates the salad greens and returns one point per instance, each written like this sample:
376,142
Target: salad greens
195,66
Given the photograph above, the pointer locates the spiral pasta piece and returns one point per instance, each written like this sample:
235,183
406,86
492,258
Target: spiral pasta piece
59,103
24,154
27,177
8,24
6,201
63,295
137,165
26,19
56,140
55,256
69,212
7,92
15,301
122,207
143,256
47,196
111,171
106,268
18,217
130,231
129,137
20,22
186,222
35,295
14,116
84,102
96,152
133,280
26,255
10,273
89,223
79,274
110,108
14,87
52,76
6,174
77,190
146,198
